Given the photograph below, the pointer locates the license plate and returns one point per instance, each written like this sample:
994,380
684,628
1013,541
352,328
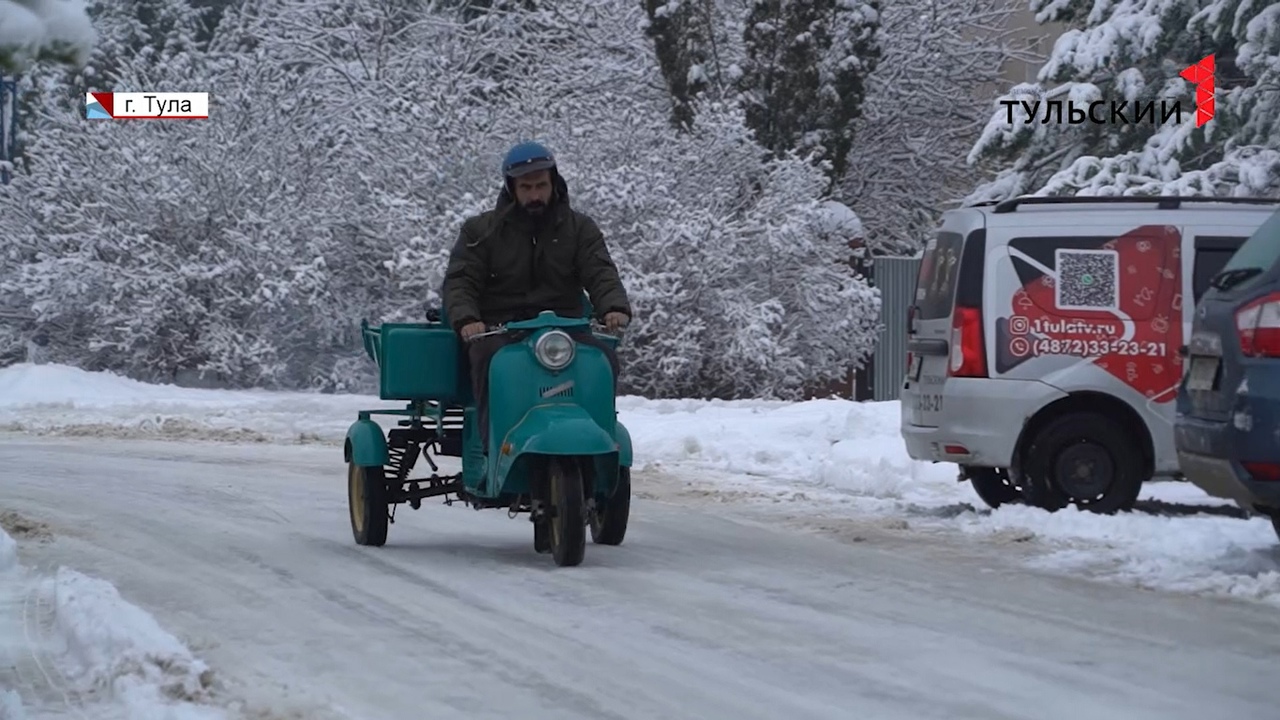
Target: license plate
1203,372
913,373
928,403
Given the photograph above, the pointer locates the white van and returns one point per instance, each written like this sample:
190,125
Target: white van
1045,344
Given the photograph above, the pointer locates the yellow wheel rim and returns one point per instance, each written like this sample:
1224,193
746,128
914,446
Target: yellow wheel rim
356,493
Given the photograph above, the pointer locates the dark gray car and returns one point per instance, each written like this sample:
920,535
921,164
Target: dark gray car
1227,428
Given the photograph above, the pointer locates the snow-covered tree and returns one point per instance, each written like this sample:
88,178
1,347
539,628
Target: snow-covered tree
926,105
159,247
805,75
251,244
715,240
698,46
1132,52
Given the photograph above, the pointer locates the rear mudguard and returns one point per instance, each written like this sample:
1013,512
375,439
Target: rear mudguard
624,445
553,429
366,446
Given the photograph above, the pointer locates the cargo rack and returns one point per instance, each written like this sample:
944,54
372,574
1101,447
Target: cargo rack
1163,202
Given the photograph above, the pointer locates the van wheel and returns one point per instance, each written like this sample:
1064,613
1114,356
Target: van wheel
993,485
1086,459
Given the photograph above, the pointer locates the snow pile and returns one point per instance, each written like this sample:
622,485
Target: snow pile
821,459
31,27
10,702
844,448
117,647
1201,554
841,221
56,398
70,640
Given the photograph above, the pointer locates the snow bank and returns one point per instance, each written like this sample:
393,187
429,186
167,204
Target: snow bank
8,552
822,458
1200,554
65,400
847,456
29,27
72,640
10,703
115,647
846,448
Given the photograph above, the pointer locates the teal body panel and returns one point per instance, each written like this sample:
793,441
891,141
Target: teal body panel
416,361
473,460
366,446
606,466
518,382
549,320
542,412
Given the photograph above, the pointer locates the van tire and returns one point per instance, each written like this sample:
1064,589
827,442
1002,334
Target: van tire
1083,440
993,485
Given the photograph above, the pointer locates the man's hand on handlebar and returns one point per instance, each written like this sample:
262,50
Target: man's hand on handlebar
615,321
470,330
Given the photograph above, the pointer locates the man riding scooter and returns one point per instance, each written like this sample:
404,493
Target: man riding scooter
532,252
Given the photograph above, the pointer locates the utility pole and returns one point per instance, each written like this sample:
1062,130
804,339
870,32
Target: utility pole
8,126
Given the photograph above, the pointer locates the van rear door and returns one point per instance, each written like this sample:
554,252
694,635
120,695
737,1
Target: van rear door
945,335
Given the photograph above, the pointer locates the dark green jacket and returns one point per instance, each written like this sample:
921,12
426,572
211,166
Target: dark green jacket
504,267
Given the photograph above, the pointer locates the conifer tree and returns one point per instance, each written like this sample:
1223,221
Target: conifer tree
1131,54
805,74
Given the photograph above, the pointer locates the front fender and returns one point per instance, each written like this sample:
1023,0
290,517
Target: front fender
366,446
560,429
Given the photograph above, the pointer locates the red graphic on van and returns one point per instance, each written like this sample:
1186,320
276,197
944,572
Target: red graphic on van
1114,302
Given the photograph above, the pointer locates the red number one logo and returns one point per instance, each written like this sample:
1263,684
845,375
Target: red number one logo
1201,75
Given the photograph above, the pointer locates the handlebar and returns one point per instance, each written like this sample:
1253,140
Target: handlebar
493,330
595,327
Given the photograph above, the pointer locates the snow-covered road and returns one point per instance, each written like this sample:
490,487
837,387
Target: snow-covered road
244,553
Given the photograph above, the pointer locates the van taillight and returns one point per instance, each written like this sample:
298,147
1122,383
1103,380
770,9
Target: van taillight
1259,326
968,357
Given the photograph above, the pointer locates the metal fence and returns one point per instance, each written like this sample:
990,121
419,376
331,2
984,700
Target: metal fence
896,279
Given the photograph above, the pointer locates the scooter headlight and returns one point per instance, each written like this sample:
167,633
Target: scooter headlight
554,350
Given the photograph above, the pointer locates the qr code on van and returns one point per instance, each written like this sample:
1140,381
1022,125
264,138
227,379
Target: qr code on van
1088,280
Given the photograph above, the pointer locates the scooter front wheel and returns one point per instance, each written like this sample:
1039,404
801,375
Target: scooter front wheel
568,522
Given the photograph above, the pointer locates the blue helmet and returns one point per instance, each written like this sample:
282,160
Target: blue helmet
525,158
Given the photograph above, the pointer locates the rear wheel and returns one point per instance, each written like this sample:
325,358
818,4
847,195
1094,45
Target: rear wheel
609,522
568,523
367,504
1083,458
993,485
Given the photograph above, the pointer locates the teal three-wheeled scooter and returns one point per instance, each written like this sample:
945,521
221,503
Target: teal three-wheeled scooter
556,448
